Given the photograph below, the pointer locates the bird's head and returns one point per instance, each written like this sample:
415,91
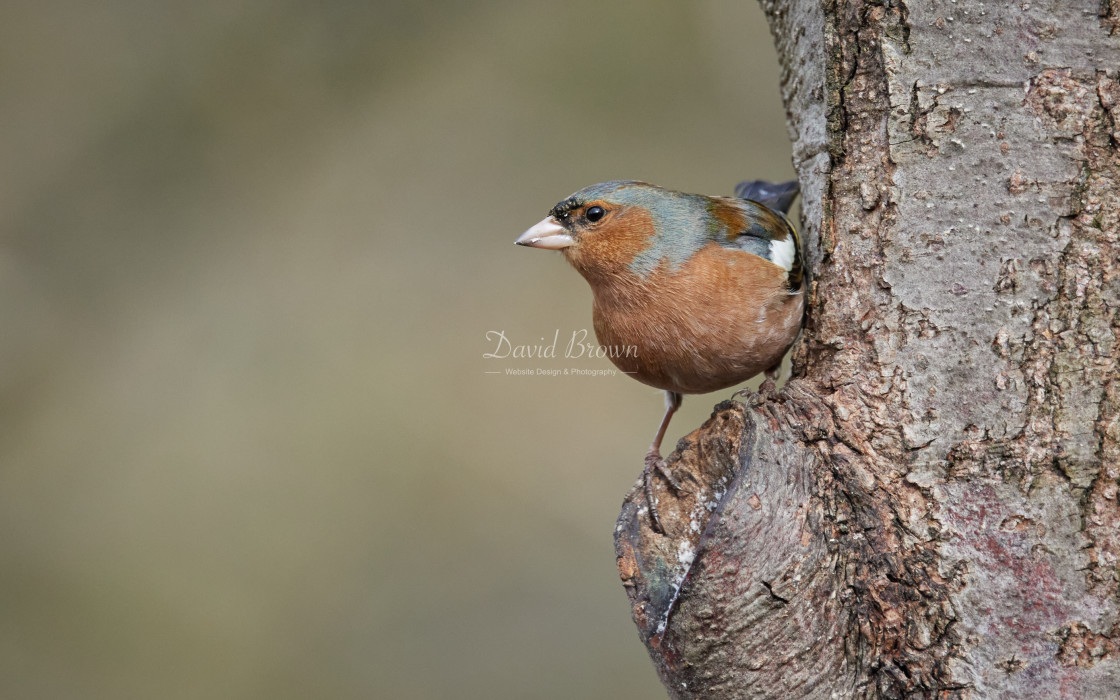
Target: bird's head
619,227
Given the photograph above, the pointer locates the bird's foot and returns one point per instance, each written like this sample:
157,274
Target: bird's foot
766,390
654,463
750,396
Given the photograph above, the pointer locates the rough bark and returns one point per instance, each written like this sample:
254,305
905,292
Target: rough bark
929,507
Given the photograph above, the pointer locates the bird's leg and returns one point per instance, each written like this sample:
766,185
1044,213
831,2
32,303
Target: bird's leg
654,461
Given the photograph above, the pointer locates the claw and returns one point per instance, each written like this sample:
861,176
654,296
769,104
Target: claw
766,390
654,463
750,396
654,517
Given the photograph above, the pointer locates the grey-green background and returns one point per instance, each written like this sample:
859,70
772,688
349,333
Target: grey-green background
249,254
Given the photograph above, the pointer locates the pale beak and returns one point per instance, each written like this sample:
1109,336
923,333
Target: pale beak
546,234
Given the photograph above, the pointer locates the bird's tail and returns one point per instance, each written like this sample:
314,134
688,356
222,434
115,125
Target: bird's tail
776,196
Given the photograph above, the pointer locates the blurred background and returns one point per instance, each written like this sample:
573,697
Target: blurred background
249,254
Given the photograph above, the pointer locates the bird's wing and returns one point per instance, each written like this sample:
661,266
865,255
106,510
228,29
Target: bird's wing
778,196
758,229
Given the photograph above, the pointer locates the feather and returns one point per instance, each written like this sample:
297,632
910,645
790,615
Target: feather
776,196
757,229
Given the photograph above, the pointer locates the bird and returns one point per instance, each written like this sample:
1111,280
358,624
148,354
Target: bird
691,293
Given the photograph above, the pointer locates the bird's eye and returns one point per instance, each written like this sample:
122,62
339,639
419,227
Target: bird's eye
595,213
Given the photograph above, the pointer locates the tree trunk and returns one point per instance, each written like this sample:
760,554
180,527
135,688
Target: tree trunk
929,507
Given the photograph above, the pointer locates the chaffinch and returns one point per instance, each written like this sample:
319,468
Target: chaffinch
692,293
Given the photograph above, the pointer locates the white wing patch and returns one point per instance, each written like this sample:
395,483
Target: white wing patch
783,253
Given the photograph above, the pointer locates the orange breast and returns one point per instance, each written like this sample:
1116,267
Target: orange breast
720,319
